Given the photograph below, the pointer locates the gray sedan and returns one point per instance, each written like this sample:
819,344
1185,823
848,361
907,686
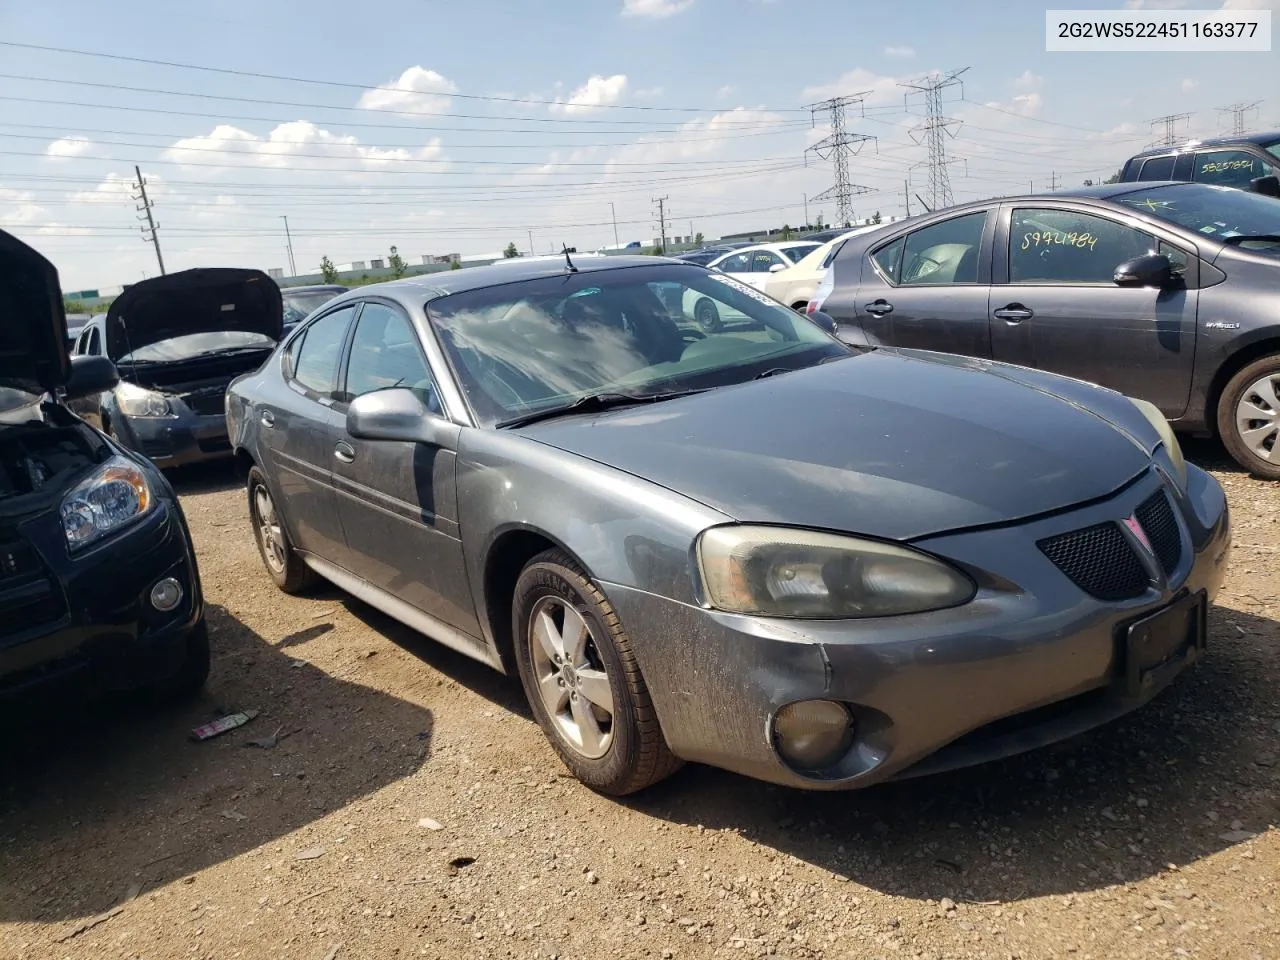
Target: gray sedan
760,548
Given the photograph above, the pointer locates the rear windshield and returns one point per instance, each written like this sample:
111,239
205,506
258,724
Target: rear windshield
523,347
1218,213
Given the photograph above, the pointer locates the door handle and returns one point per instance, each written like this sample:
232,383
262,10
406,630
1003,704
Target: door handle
344,451
878,308
1013,313
267,418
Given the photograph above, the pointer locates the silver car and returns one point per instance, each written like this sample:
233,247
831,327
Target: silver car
759,547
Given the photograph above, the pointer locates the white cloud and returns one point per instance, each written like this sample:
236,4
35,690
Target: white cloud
417,90
72,146
1189,84
1028,81
118,188
899,53
19,208
654,8
879,88
598,91
725,91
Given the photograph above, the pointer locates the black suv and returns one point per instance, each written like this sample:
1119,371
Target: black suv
98,580
1222,161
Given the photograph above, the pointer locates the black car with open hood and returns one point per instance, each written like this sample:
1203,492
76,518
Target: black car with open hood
98,580
178,341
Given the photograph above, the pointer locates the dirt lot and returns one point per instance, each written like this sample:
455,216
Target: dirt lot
1155,837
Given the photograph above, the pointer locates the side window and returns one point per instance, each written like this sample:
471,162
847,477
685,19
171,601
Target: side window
946,252
1177,257
385,353
95,343
889,258
81,341
764,260
738,263
1229,168
1062,246
315,362
1157,168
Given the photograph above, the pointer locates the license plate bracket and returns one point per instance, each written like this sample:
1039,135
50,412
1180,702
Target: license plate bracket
1160,643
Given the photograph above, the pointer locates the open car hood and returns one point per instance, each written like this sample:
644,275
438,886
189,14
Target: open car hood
33,323
203,300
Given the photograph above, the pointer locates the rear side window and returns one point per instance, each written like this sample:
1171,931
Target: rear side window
1229,168
889,258
1157,168
315,361
945,252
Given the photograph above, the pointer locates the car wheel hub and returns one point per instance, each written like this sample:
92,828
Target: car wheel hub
269,532
572,681
1258,418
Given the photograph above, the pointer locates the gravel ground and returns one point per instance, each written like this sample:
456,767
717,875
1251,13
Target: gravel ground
412,808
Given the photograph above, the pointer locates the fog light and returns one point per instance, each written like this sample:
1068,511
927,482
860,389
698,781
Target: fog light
812,734
166,594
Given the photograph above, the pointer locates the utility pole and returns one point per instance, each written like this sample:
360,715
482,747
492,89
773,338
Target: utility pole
838,147
662,219
806,210
1170,128
293,269
613,213
1053,180
532,252
906,195
1237,111
934,132
145,207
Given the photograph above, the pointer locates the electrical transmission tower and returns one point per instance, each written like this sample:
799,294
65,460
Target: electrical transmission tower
1238,111
1170,128
935,130
838,147
149,231
662,219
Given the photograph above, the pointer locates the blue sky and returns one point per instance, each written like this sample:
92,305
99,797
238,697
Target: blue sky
432,166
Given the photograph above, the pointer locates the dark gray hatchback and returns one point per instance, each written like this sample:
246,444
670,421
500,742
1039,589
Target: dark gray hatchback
1168,292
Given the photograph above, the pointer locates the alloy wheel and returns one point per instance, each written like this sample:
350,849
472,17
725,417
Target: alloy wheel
269,532
571,677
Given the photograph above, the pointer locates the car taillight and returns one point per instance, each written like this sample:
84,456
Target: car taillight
811,307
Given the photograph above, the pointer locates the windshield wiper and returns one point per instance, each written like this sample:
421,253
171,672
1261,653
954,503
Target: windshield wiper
1240,238
593,403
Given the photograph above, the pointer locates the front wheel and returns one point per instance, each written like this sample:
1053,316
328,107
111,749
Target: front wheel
1249,417
582,680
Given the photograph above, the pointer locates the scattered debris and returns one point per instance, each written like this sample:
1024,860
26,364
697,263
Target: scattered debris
457,863
101,918
311,853
222,725
333,951
269,742
428,824
1236,836
318,893
323,613
234,815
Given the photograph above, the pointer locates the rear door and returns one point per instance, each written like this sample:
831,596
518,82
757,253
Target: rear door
762,264
737,265
1055,306
929,288
398,501
296,424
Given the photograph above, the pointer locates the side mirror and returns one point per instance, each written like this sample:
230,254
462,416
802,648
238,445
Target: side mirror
825,321
397,413
90,375
1153,270
777,268
1268,186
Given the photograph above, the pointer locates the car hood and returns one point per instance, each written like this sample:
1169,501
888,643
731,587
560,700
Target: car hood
33,322
203,300
886,444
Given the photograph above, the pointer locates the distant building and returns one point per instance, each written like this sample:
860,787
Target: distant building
276,273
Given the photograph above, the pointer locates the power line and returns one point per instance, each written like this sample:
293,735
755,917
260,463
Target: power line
145,206
935,129
838,147
1170,122
1238,111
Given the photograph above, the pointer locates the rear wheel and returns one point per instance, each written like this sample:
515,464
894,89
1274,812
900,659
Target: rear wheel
707,315
1249,417
582,680
284,564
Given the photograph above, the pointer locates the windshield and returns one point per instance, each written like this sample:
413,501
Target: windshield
298,306
1218,213
197,344
799,251
641,331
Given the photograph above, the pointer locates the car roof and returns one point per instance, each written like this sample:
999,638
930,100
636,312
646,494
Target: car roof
315,288
1258,139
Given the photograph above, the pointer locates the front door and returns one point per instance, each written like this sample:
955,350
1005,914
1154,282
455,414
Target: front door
1057,308
295,426
398,501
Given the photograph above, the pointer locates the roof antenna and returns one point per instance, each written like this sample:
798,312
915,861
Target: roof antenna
569,263
923,204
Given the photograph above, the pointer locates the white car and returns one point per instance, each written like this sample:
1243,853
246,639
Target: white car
749,265
796,284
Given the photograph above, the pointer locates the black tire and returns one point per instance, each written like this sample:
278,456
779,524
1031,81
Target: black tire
707,315
637,756
800,306
283,563
190,677
1236,390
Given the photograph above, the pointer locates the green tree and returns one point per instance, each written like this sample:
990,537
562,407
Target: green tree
74,306
786,231
875,218
455,265
697,239
397,264
328,271
1114,178
511,252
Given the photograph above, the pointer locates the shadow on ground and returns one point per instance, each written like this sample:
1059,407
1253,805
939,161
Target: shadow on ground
211,477
1117,805
96,799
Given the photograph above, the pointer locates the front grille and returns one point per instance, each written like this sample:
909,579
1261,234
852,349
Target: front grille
211,402
1099,561
157,449
28,606
1161,526
17,562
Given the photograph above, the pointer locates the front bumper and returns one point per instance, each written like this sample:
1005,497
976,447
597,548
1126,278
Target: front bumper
106,635
1031,660
175,441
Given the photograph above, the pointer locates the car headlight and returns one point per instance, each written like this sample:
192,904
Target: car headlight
777,572
136,401
1167,437
112,497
